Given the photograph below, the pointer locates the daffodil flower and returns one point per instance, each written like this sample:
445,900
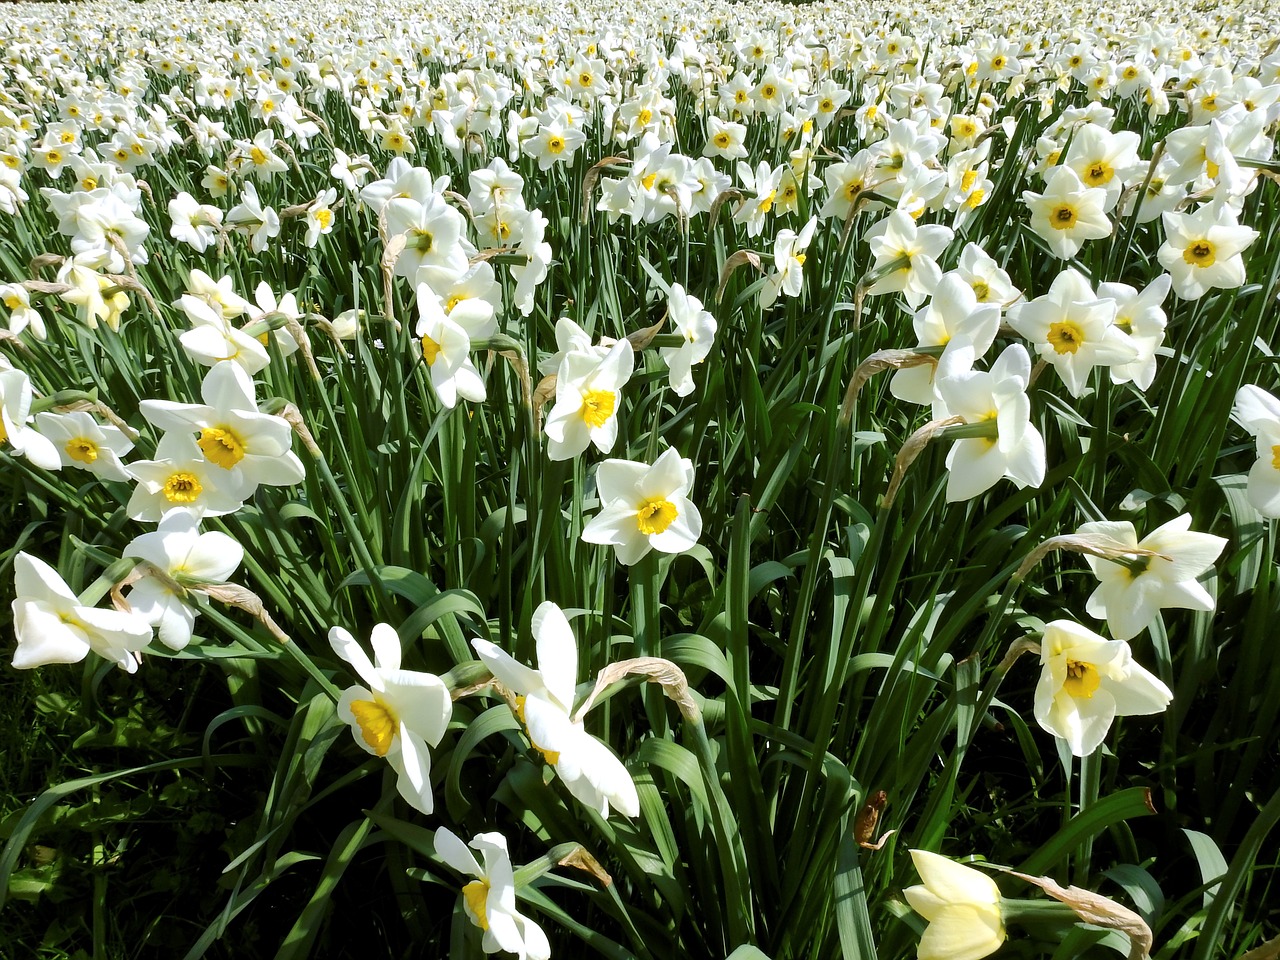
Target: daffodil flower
996,402
15,418
490,899
446,348
181,478
1086,682
53,626
186,557
588,396
1068,213
645,507
398,715
84,443
1202,250
251,446
1129,594
544,702
906,256
697,327
1073,329
1259,413
962,907
952,318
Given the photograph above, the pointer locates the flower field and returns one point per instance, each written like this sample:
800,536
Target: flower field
695,480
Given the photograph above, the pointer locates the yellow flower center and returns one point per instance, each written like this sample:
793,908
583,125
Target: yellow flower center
766,203
555,145
997,63
1098,173
645,115
655,515
258,155
182,488
1275,453
324,217
1065,336
430,350
768,91
55,156
981,290
649,181
221,446
4,434
1063,217
721,140
474,895
82,449
378,724
13,301
967,181
597,407
1082,680
1199,254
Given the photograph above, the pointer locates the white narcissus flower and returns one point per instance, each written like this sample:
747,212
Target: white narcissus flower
1073,329
220,295
181,478
544,703
953,318
83,442
446,348
490,899
588,395
21,314
88,294
1016,449
1131,592
251,446
990,283
15,417
1086,682
788,264
398,715
906,256
1202,250
193,223
213,339
186,557
1259,413
532,229
52,625
268,307
1068,213
697,327
254,220
436,248
961,905
319,216
1139,315
645,507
